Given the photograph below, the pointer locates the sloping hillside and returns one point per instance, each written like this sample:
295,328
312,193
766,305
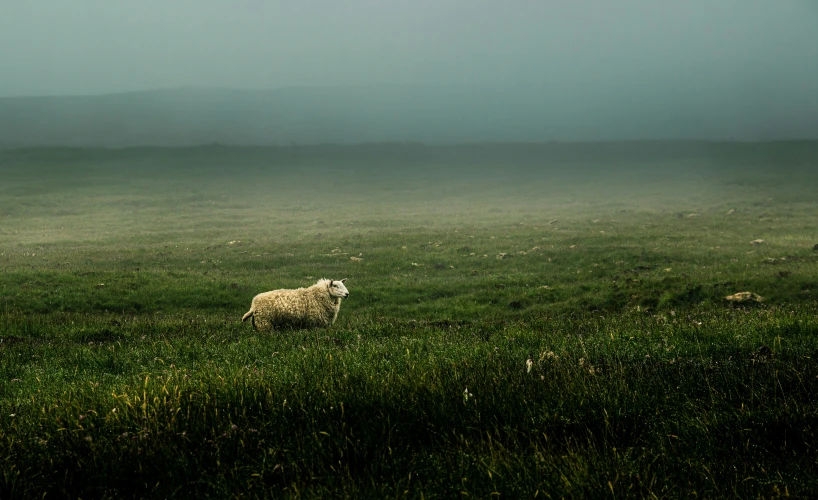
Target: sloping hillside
430,114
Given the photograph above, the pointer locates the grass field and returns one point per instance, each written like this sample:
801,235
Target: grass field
523,321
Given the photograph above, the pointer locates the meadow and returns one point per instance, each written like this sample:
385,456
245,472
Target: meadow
524,321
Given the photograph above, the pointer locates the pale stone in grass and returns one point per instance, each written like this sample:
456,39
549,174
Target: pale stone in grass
742,297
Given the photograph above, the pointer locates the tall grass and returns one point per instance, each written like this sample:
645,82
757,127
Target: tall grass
596,358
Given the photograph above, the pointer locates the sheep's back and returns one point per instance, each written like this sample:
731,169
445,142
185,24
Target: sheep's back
299,307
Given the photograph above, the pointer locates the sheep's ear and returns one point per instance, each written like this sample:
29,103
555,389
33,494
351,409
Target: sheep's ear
330,282
344,280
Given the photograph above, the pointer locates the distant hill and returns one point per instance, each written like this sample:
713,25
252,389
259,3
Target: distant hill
429,114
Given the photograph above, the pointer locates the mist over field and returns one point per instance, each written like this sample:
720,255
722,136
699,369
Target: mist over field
580,240
272,73
426,114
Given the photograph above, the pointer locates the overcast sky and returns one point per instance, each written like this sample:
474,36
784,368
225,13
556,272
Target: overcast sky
102,46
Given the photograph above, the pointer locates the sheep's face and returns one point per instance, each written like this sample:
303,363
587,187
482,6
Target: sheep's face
338,290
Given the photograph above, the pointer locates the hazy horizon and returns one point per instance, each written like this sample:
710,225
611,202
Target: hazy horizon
432,71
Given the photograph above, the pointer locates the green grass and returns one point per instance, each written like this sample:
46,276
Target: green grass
125,370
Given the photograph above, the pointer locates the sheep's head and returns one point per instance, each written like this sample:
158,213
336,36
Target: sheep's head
337,289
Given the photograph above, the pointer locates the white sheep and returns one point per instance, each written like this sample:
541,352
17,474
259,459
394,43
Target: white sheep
316,306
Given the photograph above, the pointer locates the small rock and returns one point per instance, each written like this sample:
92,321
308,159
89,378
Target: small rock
743,297
757,242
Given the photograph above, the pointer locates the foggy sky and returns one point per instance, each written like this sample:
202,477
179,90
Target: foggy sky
58,47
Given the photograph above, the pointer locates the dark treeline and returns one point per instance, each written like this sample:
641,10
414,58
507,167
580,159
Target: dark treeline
428,114
799,155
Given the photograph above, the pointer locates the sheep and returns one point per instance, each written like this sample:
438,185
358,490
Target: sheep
316,306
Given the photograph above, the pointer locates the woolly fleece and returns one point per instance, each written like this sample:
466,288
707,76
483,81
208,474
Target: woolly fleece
312,307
